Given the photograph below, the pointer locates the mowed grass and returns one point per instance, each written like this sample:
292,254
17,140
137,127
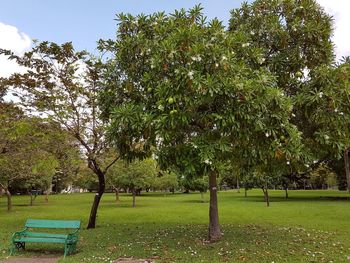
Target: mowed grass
310,226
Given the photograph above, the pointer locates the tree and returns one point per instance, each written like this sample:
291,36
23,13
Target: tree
177,83
43,173
325,103
30,151
133,176
201,185
63,85
248,183
166,181
18,146
294,38
338,167
322,177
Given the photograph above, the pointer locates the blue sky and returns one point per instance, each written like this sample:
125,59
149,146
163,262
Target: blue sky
84,22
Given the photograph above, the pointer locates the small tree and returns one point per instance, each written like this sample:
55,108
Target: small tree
167,181
43,173
134,176
201,185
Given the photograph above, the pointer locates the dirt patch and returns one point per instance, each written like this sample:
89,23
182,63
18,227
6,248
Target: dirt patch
31,260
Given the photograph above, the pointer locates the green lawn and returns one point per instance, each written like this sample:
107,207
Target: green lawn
310,226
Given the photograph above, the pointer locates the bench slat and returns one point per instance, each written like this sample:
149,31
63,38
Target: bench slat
37,234
39,223
40,240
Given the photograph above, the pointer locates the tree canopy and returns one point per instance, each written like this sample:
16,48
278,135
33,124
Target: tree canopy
177,83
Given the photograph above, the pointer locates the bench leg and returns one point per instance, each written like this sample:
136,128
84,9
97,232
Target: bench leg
65,250
16,246
12,249
71,248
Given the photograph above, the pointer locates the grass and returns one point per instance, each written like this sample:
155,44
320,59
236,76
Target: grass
310,226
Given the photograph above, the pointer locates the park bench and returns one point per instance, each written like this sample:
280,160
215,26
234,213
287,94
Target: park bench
28,235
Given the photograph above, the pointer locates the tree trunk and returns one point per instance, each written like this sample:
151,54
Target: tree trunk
266,196
202,197
9,199
31,199
48,192
116,189
286,191
133,198
214,227
238,187
347,168
98,196
245,192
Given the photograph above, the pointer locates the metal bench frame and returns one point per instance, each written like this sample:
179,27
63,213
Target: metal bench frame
20,238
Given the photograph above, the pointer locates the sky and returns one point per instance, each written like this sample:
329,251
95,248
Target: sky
85,21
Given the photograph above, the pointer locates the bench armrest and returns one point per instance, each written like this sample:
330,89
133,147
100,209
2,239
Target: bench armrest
19,233
73,235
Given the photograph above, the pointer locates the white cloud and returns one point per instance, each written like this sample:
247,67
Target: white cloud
11,38
340,10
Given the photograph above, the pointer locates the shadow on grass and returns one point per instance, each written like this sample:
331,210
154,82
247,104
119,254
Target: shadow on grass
196,201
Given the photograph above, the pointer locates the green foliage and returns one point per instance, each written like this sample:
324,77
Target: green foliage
63,84
200,184
325,103
294,40
338,167
32,150
43,171
166,181
85,178
323,177
195,184
133,176
177,83
294,37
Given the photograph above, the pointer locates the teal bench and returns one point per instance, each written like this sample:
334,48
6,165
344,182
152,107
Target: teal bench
28,235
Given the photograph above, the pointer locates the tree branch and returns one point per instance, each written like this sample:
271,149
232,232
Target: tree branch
108,166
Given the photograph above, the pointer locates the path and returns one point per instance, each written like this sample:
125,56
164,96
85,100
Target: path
31,260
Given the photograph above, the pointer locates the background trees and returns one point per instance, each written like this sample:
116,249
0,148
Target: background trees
133,177
166,181
30,151
63,85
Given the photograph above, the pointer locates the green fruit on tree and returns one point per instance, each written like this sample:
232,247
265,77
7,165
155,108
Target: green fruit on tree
149,89
173,112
